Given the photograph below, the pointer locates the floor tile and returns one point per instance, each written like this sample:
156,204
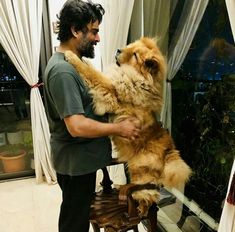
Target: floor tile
29,207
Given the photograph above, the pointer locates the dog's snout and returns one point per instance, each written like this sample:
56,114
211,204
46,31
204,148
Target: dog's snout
116,56
118,52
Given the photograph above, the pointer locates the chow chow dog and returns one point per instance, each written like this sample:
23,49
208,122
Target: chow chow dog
133,88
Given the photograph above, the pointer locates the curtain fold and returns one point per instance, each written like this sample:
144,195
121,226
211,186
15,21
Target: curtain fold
156,21
227,220
20,34
114,28
136,29
113,33
231,13
188,24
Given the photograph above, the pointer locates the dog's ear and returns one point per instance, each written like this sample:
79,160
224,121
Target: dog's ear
151,65
149,42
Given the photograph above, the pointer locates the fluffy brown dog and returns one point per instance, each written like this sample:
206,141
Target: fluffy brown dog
134,88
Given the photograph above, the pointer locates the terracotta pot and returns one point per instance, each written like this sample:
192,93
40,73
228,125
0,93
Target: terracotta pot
13,163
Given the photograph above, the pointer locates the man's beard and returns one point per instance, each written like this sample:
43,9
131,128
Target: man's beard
86,48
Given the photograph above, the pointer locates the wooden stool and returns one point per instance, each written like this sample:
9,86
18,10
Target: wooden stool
116,210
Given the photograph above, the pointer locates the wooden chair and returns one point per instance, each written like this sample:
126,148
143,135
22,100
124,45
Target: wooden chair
116,211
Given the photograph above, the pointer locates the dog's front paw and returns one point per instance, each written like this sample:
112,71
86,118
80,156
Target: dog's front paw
100,109
104,102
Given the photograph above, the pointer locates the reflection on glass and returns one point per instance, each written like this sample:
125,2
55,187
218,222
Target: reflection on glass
203,118
16,150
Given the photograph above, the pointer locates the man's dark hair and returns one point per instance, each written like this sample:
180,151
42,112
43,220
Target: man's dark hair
77,14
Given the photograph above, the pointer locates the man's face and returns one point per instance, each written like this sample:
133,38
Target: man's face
88,40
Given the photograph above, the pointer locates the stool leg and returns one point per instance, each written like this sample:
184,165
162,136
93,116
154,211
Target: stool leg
152,218
135,228
184,215
95,227
109,229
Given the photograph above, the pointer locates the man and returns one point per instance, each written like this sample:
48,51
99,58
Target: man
79,141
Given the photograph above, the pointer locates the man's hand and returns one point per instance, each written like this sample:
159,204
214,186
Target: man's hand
129,128
80,126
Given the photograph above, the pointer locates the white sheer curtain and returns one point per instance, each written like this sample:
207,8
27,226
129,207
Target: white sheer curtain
20,33
227,220
114,28
156,21
113,33
136,29
189,21
231,13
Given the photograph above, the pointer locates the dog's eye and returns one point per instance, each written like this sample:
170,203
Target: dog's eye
135,56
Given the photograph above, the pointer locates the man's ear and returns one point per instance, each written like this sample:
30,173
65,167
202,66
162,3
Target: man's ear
75,32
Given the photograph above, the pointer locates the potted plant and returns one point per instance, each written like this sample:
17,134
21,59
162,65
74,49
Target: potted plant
13,158
28,145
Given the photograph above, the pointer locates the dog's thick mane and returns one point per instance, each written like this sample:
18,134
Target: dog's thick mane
134,89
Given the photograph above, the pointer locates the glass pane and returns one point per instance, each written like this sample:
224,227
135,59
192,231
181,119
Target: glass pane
203,118
16,151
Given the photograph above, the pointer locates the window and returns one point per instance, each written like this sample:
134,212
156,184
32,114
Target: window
16,151
15,120
203,118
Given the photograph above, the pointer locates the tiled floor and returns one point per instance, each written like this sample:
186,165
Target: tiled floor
29,207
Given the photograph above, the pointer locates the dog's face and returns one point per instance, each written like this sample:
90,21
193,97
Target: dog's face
145,57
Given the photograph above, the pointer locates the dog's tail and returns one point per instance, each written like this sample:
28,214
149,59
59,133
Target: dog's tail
176,171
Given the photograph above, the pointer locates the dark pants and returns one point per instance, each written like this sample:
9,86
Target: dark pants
77,193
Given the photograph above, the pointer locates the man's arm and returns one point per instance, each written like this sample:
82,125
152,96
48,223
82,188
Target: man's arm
80,126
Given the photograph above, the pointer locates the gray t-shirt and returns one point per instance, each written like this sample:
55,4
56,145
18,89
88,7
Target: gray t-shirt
65,94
